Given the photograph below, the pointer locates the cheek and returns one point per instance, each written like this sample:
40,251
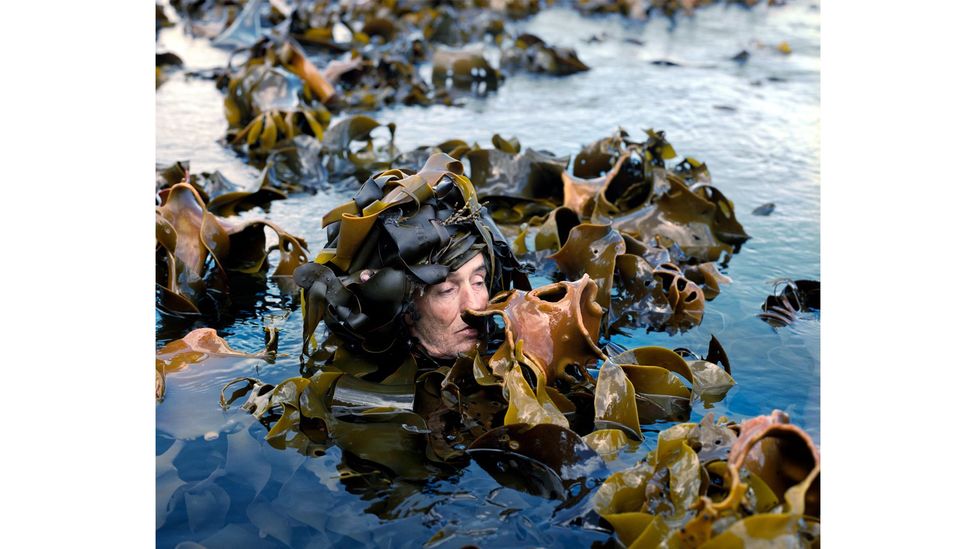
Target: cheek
481,298
442,312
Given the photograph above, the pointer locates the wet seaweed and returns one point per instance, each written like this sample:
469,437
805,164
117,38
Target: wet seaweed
704,485
794,296
195,249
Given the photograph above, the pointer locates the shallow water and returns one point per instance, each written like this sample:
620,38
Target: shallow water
223,484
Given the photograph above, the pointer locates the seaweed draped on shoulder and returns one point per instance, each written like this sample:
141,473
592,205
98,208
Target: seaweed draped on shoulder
408,230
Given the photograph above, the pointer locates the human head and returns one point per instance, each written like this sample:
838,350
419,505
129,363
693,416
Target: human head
400,236
439,324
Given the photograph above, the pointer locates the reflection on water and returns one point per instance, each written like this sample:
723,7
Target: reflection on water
755,124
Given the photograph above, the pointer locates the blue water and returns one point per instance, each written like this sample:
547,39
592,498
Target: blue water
219,483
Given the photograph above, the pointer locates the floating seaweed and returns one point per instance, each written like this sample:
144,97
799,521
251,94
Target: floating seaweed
765,209
781,309
195,248
541,436
531,53
166,64
199,346
222,196
763,474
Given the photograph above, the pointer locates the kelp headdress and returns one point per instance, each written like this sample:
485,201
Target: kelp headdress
408,231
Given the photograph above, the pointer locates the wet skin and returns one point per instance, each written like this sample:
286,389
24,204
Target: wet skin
440,328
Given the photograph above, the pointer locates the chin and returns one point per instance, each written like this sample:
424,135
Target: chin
463,347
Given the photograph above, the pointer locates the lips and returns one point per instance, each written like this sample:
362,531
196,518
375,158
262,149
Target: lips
468,332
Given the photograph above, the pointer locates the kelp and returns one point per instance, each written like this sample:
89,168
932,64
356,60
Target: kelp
506,173
344,158
770,493
407,230
244,30
276,94
780,309
166,64
199,346
464,69
545,460
552,329
637,283
765,209
195,248
222,196
531,53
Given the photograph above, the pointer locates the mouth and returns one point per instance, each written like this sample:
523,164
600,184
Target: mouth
468,331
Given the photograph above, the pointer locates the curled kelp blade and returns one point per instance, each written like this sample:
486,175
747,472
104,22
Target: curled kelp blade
656,500
555,326
579,193
545,460
592,250
656,374
515,185
246,28
200,247
773,529
640,299
708,278
783,460
462,69
687,300
784,457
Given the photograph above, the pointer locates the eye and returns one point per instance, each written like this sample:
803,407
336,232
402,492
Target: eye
478,282
445,290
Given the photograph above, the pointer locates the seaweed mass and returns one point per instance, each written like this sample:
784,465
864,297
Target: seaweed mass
588,254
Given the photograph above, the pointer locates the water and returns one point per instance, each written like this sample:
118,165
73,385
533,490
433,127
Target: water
226,485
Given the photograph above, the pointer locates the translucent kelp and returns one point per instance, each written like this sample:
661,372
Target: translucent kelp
195,248
764,475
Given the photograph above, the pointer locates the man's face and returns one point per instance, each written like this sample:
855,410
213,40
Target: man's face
440,328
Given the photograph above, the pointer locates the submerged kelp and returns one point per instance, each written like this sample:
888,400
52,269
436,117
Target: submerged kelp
719,484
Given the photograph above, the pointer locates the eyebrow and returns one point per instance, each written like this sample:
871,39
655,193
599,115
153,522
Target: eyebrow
483,270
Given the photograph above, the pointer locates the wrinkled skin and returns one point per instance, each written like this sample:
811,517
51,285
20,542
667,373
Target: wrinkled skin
440,327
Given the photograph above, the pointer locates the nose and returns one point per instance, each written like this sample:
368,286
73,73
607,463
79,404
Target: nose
472,298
